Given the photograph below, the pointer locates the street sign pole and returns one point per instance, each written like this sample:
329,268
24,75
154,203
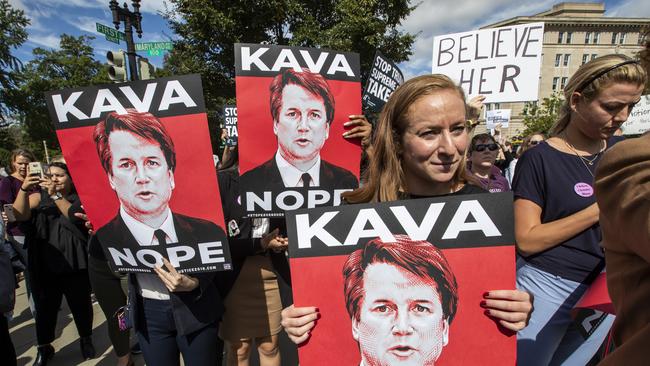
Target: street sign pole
131,19
130,50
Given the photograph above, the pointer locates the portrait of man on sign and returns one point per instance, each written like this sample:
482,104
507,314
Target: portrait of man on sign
302,108
139,159
401,298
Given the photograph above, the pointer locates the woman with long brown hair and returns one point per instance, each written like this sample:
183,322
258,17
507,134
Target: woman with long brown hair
419,151
556,215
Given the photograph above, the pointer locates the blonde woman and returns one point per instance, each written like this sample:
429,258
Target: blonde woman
556,215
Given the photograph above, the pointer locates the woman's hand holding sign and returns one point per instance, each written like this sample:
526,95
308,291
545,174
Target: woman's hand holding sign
360,128
512,308
174,281
298,322
275,242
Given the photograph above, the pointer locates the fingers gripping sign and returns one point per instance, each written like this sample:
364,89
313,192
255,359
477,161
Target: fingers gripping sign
174,281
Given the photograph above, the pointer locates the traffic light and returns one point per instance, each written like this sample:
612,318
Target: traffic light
117,66
145,69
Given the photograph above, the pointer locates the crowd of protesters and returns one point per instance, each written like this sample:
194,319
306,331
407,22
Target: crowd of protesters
420,146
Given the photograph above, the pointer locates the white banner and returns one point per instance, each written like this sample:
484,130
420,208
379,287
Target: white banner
496,117
501,63
639,120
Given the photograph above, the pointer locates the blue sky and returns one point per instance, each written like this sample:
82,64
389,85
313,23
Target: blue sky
50,18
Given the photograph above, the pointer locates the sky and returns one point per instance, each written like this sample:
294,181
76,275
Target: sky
50,18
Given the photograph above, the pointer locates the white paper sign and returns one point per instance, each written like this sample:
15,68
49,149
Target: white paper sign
497,116
639,120
501,63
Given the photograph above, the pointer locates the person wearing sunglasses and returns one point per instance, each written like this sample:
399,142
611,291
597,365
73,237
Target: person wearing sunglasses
531,140
483,153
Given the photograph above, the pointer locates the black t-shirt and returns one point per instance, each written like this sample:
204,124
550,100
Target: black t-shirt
562,185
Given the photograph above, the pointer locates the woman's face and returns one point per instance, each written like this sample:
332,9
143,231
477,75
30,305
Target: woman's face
60,179
20,165
486,156
603,115
434,142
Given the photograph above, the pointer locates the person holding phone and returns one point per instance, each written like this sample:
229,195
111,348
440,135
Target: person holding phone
58,258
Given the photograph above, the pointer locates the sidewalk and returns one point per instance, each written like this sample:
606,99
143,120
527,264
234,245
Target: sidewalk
23,334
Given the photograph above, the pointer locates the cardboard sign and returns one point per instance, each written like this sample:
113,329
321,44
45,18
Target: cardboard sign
421,265
639,120
384,78
140,157
503,64
497,116
230,124
291,105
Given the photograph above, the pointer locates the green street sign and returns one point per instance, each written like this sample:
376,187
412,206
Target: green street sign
151,46
112,39
155,52
111,34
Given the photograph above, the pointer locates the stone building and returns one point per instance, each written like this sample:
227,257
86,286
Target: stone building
573,34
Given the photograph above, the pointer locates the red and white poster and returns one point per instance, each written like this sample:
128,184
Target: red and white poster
402,282
141,160
291,106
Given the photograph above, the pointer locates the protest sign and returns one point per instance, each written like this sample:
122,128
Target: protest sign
639,120
363,265
230,124
497,116
291,106
138,154
384,78
503,64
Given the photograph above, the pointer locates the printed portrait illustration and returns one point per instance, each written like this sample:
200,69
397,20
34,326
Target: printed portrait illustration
139,158
302,108
401,298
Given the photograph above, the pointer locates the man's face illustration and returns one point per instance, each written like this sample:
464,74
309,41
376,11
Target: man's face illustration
140,175
401,319
301,125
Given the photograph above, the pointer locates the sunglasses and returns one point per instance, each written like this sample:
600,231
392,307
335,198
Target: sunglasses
482,147
535,142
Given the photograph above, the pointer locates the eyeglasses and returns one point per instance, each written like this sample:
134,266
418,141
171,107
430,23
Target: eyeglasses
535,142
482,147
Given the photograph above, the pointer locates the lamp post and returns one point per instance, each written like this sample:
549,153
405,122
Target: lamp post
131,19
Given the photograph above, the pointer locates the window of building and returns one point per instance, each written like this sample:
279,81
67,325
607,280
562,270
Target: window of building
621,38
558,58
585,58
596,37
568,37
593,56
587,37
555,81
563,83
614,37
560,36
567,58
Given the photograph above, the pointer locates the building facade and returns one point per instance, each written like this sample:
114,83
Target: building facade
574,33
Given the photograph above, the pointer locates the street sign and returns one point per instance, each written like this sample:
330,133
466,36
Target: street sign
154,48
112,34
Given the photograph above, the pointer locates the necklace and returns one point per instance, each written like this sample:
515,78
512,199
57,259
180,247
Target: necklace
584,160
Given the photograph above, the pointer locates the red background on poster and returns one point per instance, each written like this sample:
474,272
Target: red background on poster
474,339
196,193
258,143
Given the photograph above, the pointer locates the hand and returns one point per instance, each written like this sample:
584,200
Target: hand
274,242
512,308
49,186
474,107
361,128
87,223
30,182
174,281
5,219
298,322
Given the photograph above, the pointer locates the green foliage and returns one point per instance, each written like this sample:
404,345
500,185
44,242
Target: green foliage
72,66
541,119
208,30
12,35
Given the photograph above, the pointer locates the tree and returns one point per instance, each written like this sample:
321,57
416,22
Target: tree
72,66
541,119
12,35
208,30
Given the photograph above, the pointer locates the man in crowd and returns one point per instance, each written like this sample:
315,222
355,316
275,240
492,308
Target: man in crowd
401,297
